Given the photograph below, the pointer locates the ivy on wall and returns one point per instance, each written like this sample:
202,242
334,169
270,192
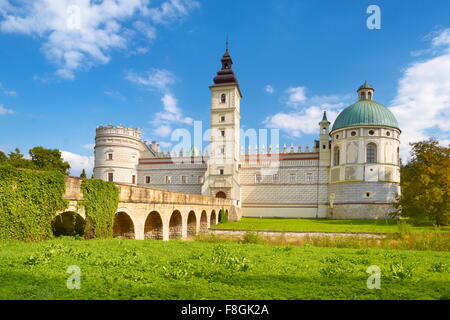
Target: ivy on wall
101,200
28,201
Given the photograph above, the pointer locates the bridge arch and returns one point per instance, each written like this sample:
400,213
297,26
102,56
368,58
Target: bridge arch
191,224
203,221
175,225
153,227
123,226
68,223
213,219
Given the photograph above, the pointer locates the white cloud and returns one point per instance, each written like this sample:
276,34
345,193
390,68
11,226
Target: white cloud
422,102
78,163
89,146
269,89
79,34
159,79
162,80
116,95
305,119
6,91
296,96
4,111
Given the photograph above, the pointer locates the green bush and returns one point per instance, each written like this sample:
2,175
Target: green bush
223,216
252,237
28,202
101,200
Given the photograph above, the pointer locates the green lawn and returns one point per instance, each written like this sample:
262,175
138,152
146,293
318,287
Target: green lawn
383,226
129,269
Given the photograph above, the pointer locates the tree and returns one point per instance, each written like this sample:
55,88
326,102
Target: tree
49,159
16,159
83,174
426,184
3,157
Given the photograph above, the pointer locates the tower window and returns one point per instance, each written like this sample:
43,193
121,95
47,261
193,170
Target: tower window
371,153
133,179
336,154
223,98
353,133
168,179
388,134
148,179
371,132
363,96
221,171
222,119
111,177
222,132
110,156
370,95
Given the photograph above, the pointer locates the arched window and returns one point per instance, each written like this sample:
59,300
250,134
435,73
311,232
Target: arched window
370,95
363,96
223,98
372,153
336,155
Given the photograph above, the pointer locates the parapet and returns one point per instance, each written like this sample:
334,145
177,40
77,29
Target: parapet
119,130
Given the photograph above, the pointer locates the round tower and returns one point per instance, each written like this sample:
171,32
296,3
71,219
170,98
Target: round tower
117,153
365,160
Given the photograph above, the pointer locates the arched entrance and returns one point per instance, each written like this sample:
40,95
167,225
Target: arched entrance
153,228
68,224
204,221
221,195
191,224
123,226
213,220
175,225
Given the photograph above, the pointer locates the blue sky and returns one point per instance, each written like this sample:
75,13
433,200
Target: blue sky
148,64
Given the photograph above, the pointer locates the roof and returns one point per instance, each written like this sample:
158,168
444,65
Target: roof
365,112
365,85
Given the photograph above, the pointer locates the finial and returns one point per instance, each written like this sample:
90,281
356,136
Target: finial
227,44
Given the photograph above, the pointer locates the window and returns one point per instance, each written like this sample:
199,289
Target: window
388,134
309,177
292,178
258,178
200,180
336,156
223,98
324,130
222,119
110,156
148,180
168,180
353,133
337,136
276,178
221,172
371,132
370,95
222,133
111,177
371,153
183,180
222,150
133,179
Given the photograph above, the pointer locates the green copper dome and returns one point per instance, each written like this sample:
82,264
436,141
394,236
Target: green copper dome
365,112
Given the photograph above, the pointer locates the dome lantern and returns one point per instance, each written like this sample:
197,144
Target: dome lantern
365,92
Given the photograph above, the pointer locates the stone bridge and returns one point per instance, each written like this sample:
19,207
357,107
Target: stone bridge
145,213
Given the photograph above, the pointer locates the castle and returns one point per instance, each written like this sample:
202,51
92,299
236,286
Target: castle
352,171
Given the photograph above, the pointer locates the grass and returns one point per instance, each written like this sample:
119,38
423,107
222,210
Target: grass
129,269
321,225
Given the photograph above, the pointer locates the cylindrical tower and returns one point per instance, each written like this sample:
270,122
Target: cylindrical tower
117,153
365,160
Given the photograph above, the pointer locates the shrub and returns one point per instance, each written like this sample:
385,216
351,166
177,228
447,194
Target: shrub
101,200
401,271
28,202
252,237
223,216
